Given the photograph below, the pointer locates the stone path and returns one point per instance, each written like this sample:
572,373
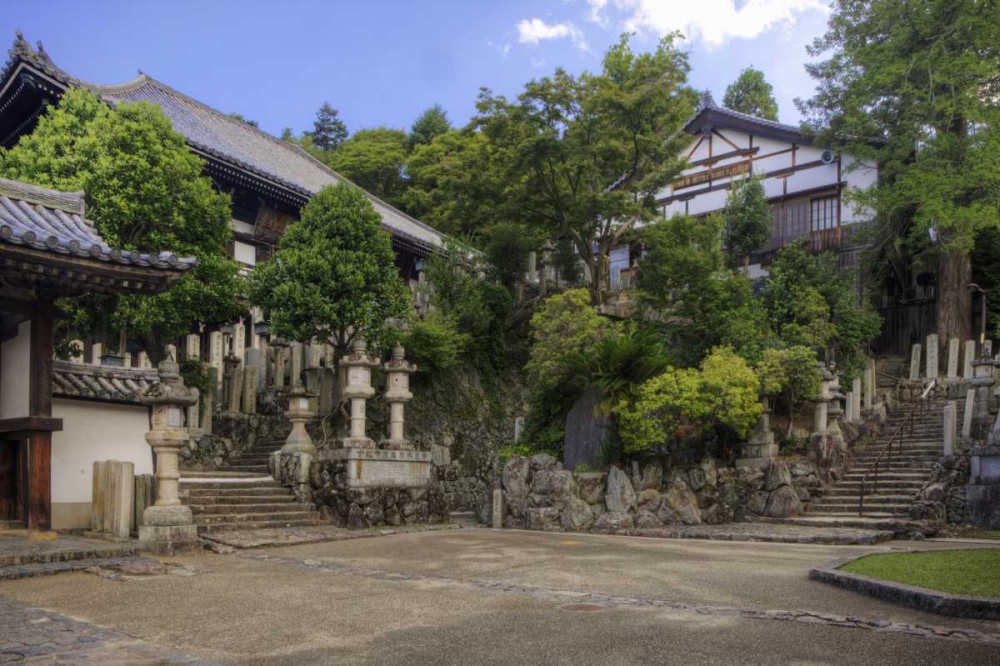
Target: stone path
590,601
17,549
38,636
294,536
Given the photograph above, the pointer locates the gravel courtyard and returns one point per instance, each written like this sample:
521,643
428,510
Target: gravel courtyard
484,597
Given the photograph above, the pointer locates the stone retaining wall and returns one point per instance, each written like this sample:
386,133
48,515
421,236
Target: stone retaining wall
538,495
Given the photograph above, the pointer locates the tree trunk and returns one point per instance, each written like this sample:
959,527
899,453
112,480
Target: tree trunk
791,416
746,265
954,300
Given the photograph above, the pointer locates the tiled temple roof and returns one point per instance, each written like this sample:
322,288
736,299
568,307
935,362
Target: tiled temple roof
709,109
231,140
96,382
52,221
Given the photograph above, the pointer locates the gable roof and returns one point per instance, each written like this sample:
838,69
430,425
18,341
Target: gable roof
710,115
221,137
53,222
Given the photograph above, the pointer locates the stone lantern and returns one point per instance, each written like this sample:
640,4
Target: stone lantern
397,394
299,412
168,526
819,442
359,389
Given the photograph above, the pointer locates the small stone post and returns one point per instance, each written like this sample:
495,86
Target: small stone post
168,526
849,406
949,428
915,363
981,382
952,359
359,366
233,385
208,403
819,442
498,506
239,340
932,356
192,352
279,346
250,389
397,371
215,356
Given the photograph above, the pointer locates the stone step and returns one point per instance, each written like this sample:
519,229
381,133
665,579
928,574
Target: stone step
271,516
831,517
236,508
218,474
240,500
238,485
258,525
881,498
854,487
250,469
870,508
859,473
250,460
241,490
36,569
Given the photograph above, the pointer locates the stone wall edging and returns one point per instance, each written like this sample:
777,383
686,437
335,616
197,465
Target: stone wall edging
920,598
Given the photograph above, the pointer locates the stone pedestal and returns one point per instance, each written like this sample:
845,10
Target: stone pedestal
358,390
167,526
381,468
981,382
397,394
761,448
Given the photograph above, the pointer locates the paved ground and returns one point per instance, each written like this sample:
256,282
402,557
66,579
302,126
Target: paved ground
486,597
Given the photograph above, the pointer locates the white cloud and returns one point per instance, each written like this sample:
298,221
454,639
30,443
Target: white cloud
534,31
711,22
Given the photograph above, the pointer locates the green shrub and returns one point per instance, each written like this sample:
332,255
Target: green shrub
520,449
434,343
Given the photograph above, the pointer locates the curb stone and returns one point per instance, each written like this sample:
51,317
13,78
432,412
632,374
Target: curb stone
920,598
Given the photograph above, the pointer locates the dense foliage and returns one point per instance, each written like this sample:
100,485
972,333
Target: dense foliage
911,85
750,93
145,191
431,123
332,276
374,159
747,220
328,131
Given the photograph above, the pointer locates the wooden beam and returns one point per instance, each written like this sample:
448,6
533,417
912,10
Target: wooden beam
28,424
39,513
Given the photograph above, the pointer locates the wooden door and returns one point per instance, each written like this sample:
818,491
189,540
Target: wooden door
10,504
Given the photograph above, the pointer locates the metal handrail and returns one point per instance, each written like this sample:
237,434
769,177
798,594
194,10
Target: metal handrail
887,449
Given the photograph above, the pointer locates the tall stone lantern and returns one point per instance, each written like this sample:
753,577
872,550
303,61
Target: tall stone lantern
359,389
397,394
168,526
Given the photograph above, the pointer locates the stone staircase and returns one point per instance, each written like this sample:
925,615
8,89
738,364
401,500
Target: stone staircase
242,495
908,470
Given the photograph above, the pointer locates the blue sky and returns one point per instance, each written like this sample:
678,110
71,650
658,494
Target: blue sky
381,62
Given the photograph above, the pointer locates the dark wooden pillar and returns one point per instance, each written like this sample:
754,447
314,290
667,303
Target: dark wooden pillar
38,513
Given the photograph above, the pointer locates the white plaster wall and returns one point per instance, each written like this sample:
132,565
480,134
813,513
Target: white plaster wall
95,431
244,253
15,359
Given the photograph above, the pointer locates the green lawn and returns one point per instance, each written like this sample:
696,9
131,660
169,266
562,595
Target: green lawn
974,572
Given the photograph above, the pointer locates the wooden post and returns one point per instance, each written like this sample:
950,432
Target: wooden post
38,514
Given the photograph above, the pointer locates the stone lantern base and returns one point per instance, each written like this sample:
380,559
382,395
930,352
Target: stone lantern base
168,530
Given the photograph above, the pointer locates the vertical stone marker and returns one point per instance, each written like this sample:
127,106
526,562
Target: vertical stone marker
498,508
208,403
192,352
296,378
250,389
970,356
849,406
949,428
856,400
915,363
953,358
932,356
869,384
280,347
239,339
970,408
215,356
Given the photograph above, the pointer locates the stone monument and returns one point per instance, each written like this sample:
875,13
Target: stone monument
168,527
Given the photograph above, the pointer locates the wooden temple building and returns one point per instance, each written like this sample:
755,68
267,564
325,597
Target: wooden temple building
48,249
268,179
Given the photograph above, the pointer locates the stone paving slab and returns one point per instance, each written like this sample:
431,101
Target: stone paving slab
295,536
39,636
767,532
16,549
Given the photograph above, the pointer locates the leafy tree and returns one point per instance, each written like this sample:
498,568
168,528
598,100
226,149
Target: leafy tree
329,131
750,93
697,302
455,184
733,390
145,191
563,326
812,302
432,123
792,373
332,277
911,85
584,156
374,159
747,219
507,247
288,135
242,119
